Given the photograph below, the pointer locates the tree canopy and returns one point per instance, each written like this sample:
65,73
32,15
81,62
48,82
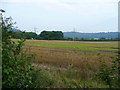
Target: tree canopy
26,35
51,35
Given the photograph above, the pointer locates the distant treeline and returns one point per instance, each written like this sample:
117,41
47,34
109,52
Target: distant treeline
56,35
44,35
92,39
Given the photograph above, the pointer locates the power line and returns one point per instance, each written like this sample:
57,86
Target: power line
35,29
74,31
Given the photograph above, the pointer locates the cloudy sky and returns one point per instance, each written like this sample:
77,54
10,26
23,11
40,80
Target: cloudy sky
64,15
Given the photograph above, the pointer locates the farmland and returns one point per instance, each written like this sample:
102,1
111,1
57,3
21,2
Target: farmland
71,63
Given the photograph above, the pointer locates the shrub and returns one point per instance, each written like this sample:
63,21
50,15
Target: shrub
111,75
16,68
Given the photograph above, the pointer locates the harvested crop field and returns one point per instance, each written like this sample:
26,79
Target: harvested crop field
78,54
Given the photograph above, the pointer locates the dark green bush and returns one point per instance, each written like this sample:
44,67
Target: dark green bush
111,75
16,68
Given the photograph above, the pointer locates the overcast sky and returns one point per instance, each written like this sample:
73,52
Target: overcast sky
63,15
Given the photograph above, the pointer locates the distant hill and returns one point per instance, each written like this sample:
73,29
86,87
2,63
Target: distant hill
91,35
16,30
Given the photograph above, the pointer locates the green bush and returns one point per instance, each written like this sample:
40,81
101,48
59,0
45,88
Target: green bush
111,75
16,68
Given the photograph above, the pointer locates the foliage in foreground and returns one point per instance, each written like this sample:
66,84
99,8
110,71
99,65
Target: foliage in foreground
111,75
55,77
17,70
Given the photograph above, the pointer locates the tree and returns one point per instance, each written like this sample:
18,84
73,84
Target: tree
27,35
51,35
30,35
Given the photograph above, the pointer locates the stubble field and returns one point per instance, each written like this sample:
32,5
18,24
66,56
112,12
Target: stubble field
75,53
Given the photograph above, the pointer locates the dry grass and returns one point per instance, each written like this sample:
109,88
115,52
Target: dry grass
81,59
87,60
76,58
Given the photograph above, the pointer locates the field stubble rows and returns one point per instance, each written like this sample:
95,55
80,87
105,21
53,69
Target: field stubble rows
54,53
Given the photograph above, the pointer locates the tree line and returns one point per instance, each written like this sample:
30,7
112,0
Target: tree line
55,35
44,35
